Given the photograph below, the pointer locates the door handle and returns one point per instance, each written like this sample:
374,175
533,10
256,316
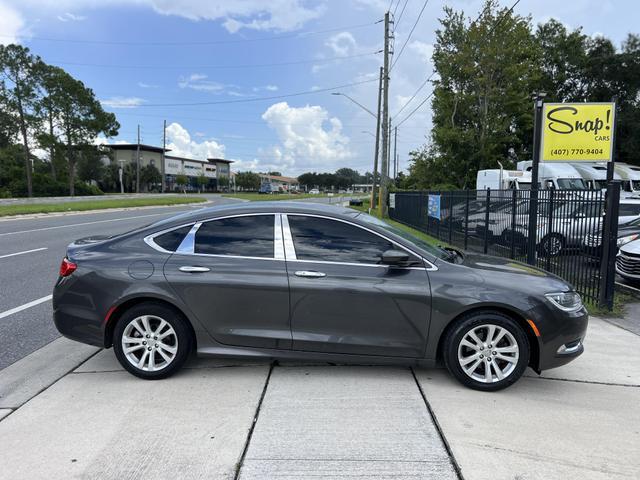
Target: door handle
310,274
193,269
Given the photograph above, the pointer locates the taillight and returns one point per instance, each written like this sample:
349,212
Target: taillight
67,267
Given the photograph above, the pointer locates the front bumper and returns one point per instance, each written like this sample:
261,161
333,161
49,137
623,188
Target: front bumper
561,335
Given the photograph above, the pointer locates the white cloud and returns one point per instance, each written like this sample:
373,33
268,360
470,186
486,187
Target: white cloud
200,82
11,22
147,85
279,15
305,142
70,17
422,49
342,44
182,145
123,102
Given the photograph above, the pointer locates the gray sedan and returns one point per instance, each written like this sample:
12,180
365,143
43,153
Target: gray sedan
314,282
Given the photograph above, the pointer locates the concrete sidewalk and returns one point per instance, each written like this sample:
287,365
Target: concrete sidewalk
252,420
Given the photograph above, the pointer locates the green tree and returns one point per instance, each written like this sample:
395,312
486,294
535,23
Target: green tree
202,181
248,181
19,74
481,102
181,181
150,177
82,120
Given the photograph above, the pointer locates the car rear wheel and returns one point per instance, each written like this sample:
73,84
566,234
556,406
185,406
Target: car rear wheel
486,351
152,341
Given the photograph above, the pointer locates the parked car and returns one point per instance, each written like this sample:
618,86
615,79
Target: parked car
314,191
628,262
313,282
592,244
268,188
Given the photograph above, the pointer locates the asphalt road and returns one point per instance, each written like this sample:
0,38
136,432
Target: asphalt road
30,255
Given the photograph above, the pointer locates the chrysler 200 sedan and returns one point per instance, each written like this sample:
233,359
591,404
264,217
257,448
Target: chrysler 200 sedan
303,281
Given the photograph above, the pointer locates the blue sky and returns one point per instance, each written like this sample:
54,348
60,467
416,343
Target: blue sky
139,53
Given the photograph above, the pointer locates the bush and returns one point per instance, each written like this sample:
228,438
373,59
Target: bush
45,186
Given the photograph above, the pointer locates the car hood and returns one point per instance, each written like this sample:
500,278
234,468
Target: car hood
632,247
511,274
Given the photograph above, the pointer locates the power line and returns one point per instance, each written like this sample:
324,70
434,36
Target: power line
414,110
206,67
410,34
396,22
414,94
211,42
257,99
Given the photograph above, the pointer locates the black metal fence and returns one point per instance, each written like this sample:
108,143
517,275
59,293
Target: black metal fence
571,240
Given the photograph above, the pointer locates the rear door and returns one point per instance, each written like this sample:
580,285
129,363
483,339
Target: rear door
343,300
232,274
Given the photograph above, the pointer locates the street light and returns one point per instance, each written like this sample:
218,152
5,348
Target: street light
356,102
368,132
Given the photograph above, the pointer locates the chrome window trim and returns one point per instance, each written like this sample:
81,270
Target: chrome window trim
289,248
189,241
429,267
149,239
278,243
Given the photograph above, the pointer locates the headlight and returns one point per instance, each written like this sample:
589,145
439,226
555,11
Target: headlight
629,238
565,301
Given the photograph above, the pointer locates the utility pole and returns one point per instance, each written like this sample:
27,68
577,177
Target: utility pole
164,146
382,200
395,155
389,151
138,163
377,150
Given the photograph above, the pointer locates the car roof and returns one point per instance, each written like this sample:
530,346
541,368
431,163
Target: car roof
279,206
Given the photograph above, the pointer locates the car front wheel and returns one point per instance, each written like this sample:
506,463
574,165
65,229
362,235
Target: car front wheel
152,341
486,351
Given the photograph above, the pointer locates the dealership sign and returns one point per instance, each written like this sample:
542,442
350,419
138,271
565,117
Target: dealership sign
577,132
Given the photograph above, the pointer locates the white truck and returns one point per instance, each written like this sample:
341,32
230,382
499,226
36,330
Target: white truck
630,175
500,179
561,175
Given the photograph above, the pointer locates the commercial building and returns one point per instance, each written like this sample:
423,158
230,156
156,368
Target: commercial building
213,169
281,183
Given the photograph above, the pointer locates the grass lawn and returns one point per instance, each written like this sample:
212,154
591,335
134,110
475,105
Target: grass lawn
95,205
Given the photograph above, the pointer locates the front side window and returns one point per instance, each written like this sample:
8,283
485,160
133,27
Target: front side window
323,239
250,236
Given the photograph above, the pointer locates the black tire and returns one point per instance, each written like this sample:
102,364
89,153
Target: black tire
182,340
552,245
476,320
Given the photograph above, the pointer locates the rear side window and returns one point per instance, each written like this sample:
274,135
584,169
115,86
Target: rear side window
329,240
629,209
171,240
250,236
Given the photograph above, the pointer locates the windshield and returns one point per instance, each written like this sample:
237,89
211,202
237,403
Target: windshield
571,184
524,185
433,250
600,184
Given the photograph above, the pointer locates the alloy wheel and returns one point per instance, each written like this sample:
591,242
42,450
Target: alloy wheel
488,353
149,343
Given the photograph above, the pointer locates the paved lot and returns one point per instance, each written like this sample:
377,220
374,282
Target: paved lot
250,419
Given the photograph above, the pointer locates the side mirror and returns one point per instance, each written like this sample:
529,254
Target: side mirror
395,257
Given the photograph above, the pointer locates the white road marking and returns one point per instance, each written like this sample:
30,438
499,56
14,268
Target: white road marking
22,253
85,223
25,306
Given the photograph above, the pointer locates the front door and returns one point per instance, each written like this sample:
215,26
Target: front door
343,300
233,276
